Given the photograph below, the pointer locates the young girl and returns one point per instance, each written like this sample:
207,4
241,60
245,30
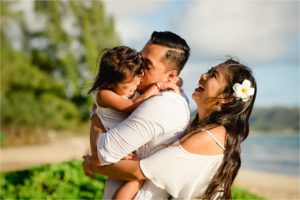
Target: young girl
114,91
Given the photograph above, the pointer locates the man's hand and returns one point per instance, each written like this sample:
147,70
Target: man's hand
87,165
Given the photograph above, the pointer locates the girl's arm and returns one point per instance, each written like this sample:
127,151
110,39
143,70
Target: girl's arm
127,170
128,190
107,98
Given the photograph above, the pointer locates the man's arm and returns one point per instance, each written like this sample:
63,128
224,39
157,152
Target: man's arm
142,126
127,170
153,118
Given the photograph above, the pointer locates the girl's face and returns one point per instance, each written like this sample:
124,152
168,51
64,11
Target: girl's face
128,86
211,85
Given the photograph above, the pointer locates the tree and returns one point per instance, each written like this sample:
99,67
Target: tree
49,51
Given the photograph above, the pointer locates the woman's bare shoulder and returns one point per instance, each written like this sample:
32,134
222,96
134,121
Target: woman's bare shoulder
203,143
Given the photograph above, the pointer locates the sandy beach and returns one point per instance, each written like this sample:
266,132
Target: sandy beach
268,185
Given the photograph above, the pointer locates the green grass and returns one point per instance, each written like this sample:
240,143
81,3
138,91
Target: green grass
63,181
238,193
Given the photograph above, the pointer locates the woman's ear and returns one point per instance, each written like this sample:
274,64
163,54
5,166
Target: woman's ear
225,100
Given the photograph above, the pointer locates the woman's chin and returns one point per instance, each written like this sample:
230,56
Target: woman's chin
195,96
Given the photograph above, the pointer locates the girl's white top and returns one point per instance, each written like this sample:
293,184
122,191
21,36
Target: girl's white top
109,117
182,174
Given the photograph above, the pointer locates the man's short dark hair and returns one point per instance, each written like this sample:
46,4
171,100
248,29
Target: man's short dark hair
179,51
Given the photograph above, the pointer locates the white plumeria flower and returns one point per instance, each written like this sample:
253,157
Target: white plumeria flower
243,91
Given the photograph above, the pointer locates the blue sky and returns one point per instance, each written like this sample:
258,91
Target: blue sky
263,34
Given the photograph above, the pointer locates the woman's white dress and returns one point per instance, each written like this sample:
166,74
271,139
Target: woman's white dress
182,174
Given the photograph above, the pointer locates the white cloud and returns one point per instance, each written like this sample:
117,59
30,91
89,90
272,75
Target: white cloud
131,8
251,30
130,26
131,31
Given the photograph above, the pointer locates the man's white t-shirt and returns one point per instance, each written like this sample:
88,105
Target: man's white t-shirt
157,122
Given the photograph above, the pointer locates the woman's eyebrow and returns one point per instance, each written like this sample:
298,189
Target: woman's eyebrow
217,73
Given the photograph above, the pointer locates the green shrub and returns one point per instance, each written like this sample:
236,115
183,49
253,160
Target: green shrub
64,181
242,194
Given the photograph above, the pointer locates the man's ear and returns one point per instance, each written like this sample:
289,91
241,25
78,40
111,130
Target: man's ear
172,76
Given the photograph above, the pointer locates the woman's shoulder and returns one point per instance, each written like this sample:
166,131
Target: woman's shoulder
205,142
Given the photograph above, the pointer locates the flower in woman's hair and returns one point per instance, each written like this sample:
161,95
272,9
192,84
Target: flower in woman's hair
243,91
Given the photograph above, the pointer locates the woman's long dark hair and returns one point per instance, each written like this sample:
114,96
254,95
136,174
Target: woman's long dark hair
234,116
115,65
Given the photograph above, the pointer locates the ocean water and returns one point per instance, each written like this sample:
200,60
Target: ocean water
272,153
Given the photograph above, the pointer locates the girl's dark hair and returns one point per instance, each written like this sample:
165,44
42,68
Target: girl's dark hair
179,51
115,65
234,116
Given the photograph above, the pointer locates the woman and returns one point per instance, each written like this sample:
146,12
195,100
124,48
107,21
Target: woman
205,162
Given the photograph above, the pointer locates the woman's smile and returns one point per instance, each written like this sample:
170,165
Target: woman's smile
200,87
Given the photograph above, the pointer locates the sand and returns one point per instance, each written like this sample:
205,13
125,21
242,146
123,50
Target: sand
269,185
64,149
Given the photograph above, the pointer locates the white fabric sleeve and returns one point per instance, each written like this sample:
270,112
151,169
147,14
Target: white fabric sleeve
147,122
125,138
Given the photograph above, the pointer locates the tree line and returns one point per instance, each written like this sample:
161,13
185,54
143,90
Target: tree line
275,119
49,51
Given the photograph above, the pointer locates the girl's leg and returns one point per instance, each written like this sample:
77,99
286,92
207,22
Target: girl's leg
128,190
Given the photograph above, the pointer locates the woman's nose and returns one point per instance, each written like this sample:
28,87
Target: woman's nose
203,76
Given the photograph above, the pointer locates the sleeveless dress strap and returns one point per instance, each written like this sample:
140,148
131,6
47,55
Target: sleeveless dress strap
214,138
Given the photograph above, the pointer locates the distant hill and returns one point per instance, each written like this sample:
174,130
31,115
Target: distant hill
273,120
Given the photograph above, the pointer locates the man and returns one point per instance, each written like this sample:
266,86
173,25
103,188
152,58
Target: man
157,122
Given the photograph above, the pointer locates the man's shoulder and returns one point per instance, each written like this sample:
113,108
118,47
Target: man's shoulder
168,110
165,102
169,97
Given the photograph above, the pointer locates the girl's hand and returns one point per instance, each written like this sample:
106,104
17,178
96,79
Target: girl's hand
168,86
131,156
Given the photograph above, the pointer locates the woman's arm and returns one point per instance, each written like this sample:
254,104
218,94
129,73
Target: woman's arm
127,170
